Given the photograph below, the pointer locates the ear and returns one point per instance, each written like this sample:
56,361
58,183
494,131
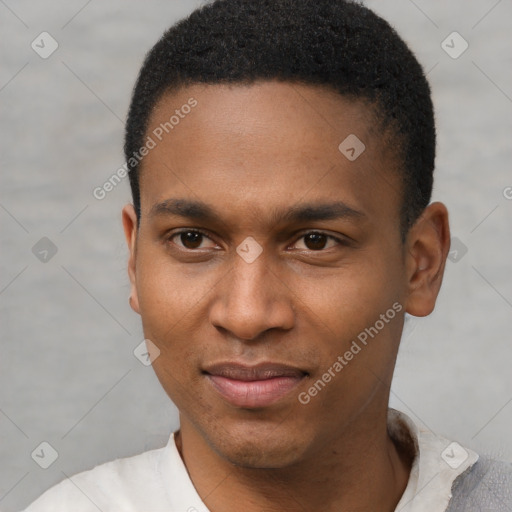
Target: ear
130,232
427,246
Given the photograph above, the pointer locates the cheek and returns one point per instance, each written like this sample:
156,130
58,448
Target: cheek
166,290
169,303
355,344
165,300
173,300
351,299
358,318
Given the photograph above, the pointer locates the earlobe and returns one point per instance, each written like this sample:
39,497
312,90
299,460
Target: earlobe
428,243
130,231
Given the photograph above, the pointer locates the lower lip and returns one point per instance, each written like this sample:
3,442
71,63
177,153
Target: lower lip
253,394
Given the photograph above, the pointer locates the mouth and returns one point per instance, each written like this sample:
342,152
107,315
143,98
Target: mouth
253,387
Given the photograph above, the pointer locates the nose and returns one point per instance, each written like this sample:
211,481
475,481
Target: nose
251,300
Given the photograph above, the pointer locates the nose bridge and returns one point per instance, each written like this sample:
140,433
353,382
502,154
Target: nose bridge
250,284
251,301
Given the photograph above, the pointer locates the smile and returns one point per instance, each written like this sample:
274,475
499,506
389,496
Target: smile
253,387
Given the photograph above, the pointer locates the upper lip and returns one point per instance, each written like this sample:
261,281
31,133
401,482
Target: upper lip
262,371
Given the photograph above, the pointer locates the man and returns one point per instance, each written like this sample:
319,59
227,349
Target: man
281,156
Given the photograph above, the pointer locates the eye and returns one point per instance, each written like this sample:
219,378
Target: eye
317,241
190,239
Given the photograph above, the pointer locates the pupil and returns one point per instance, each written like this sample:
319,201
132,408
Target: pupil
192,238
316,241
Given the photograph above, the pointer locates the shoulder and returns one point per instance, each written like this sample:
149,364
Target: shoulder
487,485
127,482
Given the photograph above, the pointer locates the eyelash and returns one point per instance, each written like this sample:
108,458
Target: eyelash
177,233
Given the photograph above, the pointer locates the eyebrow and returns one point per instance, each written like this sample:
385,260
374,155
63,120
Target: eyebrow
309,212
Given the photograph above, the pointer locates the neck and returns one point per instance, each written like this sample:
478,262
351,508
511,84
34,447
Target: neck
360,469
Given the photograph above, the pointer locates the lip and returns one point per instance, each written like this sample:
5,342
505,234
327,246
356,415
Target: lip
253,386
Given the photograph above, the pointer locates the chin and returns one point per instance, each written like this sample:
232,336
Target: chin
263,448
256,456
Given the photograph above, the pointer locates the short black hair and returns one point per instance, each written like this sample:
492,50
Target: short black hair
339,44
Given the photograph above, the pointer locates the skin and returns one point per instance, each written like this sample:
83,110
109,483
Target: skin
249,151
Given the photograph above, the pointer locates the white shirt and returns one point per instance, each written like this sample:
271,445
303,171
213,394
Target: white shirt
437,464
157,480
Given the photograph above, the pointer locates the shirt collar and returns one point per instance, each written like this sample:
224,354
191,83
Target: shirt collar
437,463
181,493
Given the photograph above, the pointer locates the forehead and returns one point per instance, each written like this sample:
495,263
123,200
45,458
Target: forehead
267,144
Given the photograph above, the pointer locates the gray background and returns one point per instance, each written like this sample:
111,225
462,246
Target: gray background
68,375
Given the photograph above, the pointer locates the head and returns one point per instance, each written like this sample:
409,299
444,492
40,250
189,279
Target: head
308,127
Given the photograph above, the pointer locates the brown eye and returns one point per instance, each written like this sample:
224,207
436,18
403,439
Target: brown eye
190,239
316,241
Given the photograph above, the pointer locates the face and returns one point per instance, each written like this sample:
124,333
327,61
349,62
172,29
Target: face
268,266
